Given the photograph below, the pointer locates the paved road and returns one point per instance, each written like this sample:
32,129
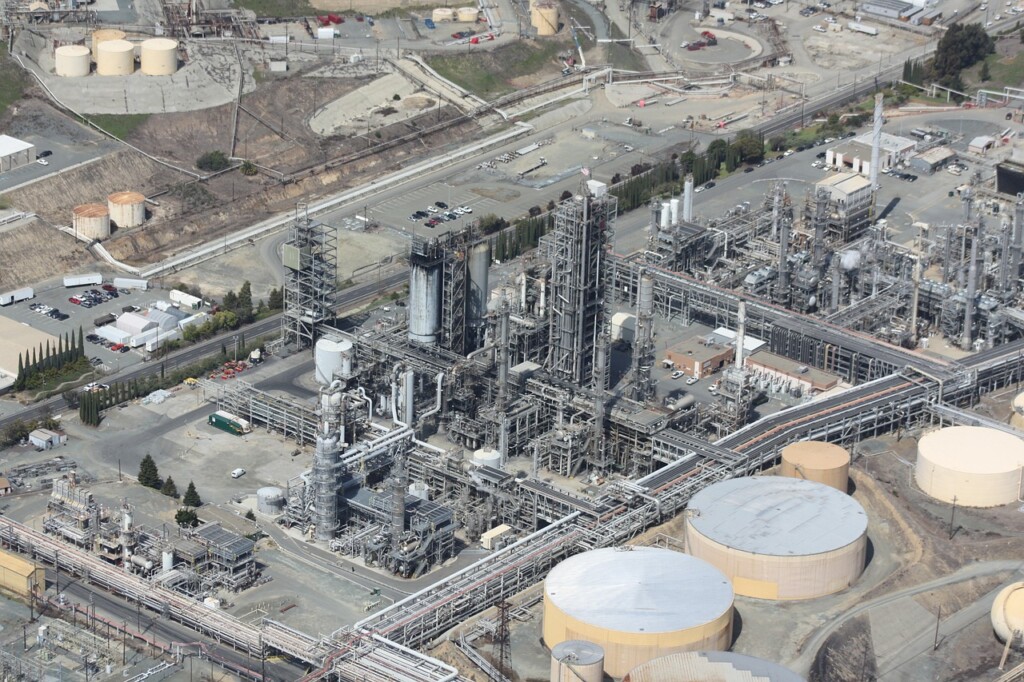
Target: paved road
810,649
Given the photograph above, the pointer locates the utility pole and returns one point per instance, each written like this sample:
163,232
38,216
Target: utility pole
938,619
952,515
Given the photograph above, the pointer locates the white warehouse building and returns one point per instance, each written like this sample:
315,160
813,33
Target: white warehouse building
15,153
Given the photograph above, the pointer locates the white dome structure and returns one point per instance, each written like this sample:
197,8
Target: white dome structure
636,604
974,465
1008,614
779,538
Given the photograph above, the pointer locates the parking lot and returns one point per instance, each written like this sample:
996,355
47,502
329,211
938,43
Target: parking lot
39,313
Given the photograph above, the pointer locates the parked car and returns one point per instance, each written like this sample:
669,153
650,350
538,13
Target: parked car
690,381
678,374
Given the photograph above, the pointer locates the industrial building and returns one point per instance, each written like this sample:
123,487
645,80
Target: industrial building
932,159
701,666
778,538
890,9
637,603
20,577
15,153
856,154
700,357
990,477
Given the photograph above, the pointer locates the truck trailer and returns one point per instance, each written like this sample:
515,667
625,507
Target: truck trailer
862,28
88,279
225,421
17,295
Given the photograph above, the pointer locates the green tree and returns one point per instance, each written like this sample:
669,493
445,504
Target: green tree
230,300
169,489
186,518
275,301
192,498
249,515
985,75
244,306
213,161
149,475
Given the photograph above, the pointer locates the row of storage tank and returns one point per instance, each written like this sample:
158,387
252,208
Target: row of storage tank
463,14
123,209
648,614
115,56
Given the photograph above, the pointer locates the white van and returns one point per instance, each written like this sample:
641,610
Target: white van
238,473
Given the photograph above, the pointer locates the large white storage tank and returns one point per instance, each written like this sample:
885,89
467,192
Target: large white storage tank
1017,416
91,221
489,457
443,14
72,61
424,302
104,34
159,57
467,13
708,666
777,537
577,661
1008,614
637,603
818,461
544,17
332,359
127,209
978,466
115,58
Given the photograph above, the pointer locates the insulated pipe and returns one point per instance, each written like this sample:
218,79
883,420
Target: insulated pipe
410,396
437,406
741,327
972,284
688,198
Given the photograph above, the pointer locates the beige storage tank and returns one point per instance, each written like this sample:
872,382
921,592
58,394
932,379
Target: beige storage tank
704,666
979,466
91,221
467,13
777,537
104,34
637,603
443,14
1017,416
127,209
544,17
115,58
72,61
577,661
818,461
159,57
1008,614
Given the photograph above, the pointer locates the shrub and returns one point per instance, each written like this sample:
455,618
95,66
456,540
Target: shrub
213,161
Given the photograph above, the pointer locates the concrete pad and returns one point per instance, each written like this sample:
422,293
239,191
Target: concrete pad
895,624
350,112
15,338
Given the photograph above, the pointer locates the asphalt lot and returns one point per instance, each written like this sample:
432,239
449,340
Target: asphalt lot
67,152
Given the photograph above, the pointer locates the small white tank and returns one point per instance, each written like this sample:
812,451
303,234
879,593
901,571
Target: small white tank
487,457
115,58
127,209
575,660
419,489
72,61
159,57
167,559
443,14
467,14
328,359
269,500
91,221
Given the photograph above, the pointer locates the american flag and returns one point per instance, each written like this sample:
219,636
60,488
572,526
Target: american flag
586,172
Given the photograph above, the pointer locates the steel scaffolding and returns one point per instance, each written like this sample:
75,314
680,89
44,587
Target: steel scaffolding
310,259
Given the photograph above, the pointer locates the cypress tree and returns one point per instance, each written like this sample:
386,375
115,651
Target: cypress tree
149,475
80,350
192,498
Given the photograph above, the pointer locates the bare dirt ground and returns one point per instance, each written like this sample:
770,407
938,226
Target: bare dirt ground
857,50
35,252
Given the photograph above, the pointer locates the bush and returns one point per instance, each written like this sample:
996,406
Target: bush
186,518
213,161
249,168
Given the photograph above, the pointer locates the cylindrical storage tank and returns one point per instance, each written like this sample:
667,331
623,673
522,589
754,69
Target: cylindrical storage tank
104,34
779,538
328,359
978,466
545,18
1017,416
91,220
577,661
818,461
167,559
637,604
443,14
269,500
1008,614
674,210
115,58
666,214
419,489
702,666
424,302
127,209
467,13
159,57
72,61
476,299
487,457
347,354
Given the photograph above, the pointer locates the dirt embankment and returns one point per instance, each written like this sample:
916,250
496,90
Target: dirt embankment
36,252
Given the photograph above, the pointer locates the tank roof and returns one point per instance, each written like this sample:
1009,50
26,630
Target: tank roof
991,451
90,210
160,44
721,666
578,651
777,516
639,590
116,45
73,50
816,454
126,198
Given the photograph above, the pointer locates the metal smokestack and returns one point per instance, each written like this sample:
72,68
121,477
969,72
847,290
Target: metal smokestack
876,142
741,332
688,198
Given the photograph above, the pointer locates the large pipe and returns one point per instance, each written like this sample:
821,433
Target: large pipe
437,405
876,142
409,396
688,198
655,219
1017,242
741,328
916,277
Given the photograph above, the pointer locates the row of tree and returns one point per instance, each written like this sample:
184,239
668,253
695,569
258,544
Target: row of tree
51,362
961,47
92,403
149,476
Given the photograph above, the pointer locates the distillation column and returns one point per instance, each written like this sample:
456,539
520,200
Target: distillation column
781,226
1016,242
642,388
688,198
972,286
820,218
876,144
326,463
